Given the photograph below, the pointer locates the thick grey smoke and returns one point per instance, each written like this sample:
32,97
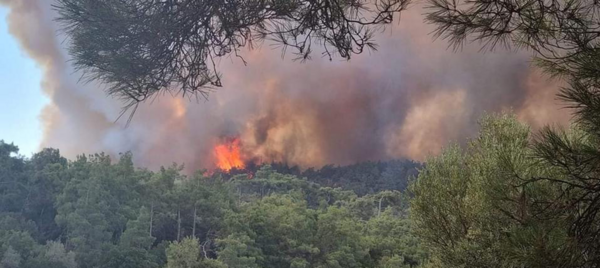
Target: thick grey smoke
408,99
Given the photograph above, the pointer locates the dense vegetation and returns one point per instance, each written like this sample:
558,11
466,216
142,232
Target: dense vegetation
516,199
361,178
477,206
510,198
91,212
498,202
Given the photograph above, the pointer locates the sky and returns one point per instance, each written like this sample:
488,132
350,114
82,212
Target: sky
21,97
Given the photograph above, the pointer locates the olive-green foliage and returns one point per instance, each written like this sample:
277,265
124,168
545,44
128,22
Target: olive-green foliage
93,212
184,254
476,207
283,231
564,35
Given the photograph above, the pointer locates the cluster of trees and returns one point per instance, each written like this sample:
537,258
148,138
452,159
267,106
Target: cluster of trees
513,198
509,199
91,212
493,204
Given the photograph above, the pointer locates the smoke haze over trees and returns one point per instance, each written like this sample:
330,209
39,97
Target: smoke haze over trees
405,100
518,193
92,212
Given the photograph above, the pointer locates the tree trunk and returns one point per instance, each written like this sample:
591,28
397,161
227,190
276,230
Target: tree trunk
178,224
194,227
87,195
379,210
151,217
204,248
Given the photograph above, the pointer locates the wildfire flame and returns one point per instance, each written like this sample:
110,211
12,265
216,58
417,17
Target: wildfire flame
228,155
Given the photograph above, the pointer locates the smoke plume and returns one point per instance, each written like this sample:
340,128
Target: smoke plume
406,100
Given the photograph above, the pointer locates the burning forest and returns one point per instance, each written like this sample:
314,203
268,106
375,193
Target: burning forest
408,99
228,155
300,133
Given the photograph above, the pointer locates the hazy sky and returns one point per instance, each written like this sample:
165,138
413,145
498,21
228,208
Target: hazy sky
21,97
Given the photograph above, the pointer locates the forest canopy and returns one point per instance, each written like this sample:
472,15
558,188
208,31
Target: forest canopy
510,197
93,212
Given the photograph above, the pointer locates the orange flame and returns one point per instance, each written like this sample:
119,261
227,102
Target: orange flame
228,155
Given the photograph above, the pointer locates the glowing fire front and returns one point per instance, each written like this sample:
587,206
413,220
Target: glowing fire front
228,155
